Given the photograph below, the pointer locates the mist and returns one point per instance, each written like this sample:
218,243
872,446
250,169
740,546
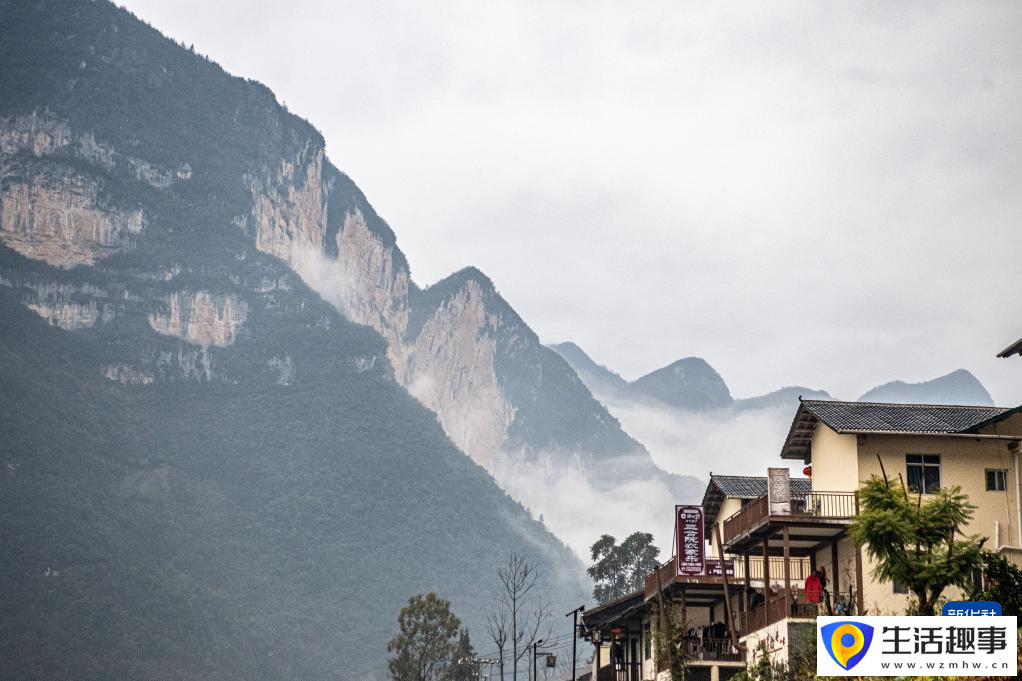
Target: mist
721,441
578,505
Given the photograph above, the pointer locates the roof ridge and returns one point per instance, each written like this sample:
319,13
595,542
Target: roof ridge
907,404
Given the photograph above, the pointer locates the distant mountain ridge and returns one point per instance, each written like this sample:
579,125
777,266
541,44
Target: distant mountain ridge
957,387
691,384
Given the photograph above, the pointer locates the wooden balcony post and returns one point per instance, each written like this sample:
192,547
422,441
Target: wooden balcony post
787,567
727,594
835,579
684,607
748,585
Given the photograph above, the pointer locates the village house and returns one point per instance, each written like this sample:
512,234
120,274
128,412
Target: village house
787,556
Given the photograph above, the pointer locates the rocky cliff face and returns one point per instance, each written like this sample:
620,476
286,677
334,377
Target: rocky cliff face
200,319
259,466
507,401
125,203
60,219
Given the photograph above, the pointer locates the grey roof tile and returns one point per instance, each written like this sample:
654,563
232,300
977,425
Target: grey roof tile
900,418
753,487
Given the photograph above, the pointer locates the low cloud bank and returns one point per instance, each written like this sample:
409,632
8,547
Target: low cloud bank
722,441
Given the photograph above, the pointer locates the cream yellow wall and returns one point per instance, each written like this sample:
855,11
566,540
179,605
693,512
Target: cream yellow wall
1009,426
843,462
834,461
729,507
963,462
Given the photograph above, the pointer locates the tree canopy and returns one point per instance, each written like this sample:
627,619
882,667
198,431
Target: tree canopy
620,569
918,541
427,645
1002,583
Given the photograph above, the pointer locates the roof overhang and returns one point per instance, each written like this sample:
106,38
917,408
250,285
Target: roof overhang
713,498
616,611
800,435
804,536
1013,349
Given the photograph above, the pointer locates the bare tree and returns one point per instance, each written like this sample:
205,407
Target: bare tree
498,625
518,577
529,630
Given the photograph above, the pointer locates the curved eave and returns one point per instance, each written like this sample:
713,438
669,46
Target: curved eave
1013,349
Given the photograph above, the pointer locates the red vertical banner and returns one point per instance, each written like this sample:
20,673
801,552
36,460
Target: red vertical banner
691,540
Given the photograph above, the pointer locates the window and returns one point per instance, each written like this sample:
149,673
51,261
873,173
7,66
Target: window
647,640
900,587
923,472
997,480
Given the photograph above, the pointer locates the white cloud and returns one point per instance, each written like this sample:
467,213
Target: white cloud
578,506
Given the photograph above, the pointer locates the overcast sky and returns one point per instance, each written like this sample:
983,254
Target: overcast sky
825,194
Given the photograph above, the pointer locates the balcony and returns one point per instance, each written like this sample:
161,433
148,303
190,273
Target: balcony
800,569
811,508
711,650
775,610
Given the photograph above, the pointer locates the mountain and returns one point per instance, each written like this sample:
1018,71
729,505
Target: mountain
958,387
685,415
784,398
211,463
597,377
689,383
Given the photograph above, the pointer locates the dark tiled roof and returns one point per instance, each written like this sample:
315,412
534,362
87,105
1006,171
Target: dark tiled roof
740,487
899,418
880,417
624,607
752,487
1013,349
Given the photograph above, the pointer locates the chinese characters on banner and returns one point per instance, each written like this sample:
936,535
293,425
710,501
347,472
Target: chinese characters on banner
779,491
691,545
715,568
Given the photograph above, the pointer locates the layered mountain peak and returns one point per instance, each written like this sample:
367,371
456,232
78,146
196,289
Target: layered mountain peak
958,387
689,383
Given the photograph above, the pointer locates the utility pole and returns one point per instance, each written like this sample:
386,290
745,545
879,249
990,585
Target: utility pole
489,663
574,637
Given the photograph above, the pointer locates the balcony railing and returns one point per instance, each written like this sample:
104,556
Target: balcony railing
824,505
745,519
775,610
801,568
711,649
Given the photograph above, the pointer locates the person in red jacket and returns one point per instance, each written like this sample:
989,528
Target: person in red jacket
814,588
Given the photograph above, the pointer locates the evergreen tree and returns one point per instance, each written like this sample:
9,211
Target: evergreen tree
918,543
620,569
1002,583
427,644
465,665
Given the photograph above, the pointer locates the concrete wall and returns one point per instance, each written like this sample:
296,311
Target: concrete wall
844,462
963,462
729,507
834,458
779,639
